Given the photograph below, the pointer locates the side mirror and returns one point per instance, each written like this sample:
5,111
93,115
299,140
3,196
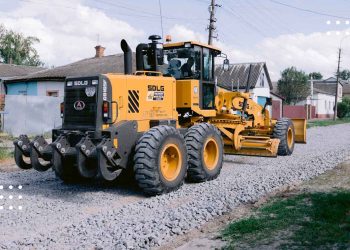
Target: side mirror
226,64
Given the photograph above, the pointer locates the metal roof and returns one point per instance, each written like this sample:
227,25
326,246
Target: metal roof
11,70
238,74
85,67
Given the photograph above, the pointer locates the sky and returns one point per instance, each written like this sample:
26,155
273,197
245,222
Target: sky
300,33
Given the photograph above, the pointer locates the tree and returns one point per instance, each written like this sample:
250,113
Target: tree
315,76
293,85
15,48
343,108
344,74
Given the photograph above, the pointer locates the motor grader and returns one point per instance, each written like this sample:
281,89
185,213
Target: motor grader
166,122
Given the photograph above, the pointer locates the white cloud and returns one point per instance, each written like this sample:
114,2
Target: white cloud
182,33
68,30
311,52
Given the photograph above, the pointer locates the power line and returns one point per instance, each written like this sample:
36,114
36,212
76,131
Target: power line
247,23
274,19
308,10
146,12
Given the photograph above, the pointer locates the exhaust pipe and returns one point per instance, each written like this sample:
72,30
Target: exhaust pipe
127,57
139,56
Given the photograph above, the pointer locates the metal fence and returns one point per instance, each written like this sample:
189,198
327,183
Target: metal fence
31,114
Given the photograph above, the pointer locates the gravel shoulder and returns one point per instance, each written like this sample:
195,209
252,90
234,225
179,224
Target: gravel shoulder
209,235
60,216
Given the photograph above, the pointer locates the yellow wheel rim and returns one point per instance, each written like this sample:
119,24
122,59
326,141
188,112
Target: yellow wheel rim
290,138
211,154
170,162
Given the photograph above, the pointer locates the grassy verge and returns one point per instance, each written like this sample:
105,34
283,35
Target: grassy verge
5,154
330,122
304,221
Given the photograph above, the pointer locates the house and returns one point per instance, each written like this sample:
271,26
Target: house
11,70
257,76
321,101
346,89
50,82
323,96
7,71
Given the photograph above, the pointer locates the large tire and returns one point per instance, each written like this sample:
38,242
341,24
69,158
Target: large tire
160,160
284,130
205,152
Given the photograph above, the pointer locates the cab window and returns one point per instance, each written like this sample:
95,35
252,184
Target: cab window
207,65
182,63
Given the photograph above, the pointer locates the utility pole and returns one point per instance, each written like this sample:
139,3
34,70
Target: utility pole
337,88
212,21
161,19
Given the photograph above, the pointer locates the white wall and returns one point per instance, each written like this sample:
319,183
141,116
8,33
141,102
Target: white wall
44,86
261,90
324,104
31,114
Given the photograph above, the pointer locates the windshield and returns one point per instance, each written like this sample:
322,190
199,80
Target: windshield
182,63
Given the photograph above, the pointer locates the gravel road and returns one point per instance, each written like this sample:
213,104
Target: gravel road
54,215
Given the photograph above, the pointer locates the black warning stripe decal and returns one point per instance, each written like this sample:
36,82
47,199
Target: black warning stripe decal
133,99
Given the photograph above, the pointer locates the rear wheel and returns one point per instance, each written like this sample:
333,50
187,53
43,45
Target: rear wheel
160,160
205,152
284,130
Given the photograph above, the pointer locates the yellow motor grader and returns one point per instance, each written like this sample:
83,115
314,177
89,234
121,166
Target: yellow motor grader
168,121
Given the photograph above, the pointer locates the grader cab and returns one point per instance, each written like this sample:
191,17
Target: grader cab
166,122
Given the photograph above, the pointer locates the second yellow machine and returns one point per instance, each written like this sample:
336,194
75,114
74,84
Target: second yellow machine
166,122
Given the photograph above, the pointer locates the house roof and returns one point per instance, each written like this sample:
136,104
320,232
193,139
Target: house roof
317,90
326,88
85,67
239,74
277,95
11,70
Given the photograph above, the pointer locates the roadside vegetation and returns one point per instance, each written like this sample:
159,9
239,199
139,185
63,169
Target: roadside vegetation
315,215
322,123
305,221
5,154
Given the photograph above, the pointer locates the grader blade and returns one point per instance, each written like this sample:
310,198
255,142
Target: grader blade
300,130
22,149
86,158
256,146
40,151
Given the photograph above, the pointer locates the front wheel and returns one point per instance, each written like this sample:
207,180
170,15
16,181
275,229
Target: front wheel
284,130
205,152
160,160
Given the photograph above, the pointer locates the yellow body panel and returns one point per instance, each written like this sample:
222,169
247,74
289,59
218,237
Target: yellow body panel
188,97
143,98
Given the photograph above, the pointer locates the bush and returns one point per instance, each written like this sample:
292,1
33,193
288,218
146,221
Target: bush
343,108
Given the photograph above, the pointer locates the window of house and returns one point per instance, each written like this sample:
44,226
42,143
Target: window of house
53,93
325,104
262,80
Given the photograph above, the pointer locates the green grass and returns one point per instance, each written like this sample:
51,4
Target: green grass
305,221
5,154
330,122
